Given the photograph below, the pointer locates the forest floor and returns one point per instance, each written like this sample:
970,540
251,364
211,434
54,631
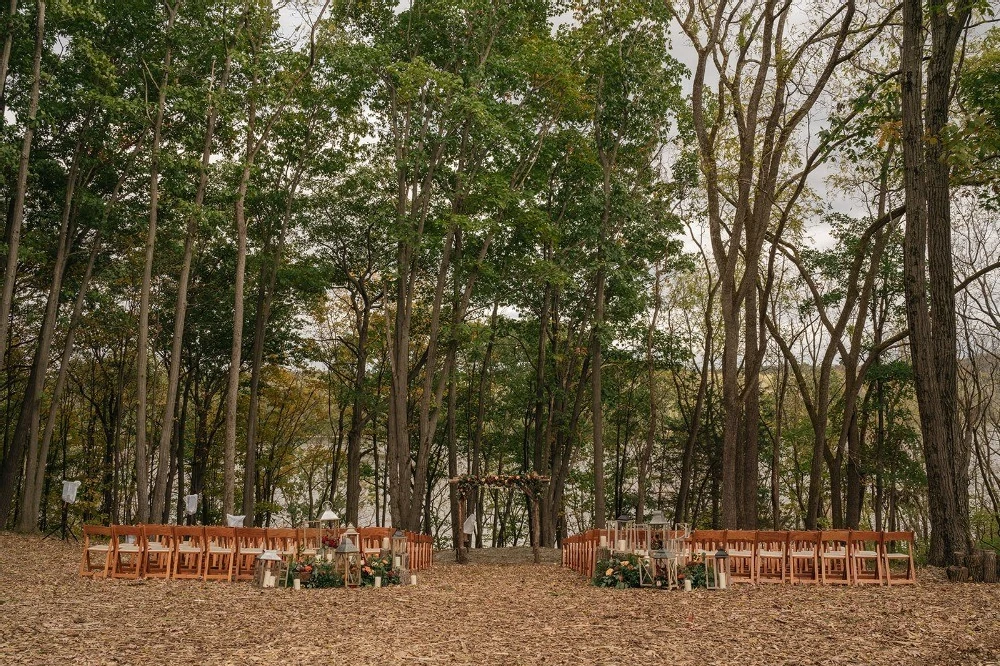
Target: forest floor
500,609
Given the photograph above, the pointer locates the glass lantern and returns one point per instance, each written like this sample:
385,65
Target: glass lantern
718,566
624,526
664,569
348,563
660,532
330,520
267,569
351,534
400,556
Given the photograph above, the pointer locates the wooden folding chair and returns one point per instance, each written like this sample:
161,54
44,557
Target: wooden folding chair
741,546
220,553
803,556
866,557
898,547
129,552
771,556
285,540
159,543
705,543
97,544
250,544
835,557
189,551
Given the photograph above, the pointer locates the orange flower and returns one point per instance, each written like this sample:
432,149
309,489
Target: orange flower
609,572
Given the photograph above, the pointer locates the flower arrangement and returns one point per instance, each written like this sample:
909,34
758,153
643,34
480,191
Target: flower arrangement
330,541
529,482
695,572
323,574
618,573
381,567
300,569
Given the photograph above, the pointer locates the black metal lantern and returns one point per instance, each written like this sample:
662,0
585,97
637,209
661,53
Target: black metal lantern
348,562
623,541
718,564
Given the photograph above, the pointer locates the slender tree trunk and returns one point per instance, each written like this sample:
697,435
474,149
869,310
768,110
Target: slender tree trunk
751,415
142,361
32,504
646,453
17,210
8,42
26,431
363,319
180,309
264,299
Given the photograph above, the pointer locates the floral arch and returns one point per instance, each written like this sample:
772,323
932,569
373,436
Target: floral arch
531,484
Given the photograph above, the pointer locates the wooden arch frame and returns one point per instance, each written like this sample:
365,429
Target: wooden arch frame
531,484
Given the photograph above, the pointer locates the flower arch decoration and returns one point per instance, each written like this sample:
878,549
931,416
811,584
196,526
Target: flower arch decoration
531,484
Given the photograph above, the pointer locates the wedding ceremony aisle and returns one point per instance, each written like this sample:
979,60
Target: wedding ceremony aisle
498,609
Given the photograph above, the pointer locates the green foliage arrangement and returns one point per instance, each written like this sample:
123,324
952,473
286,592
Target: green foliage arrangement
618,573
378,566
323,575
695,572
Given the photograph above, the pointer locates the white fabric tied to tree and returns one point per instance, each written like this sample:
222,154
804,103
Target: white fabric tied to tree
69,491
469,526
234,521
190,504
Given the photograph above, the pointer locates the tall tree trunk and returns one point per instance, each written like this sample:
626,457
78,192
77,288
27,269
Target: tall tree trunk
597,410
265,297
180,308
928,273
26,431
751,415
17,210
32,505
358,417
142,361
8,42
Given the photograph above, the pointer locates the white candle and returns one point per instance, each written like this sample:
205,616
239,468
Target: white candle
722,580
378,581
621,545
268,579
604,541
329,557
385,543
413,579
296,584
687,584
397,561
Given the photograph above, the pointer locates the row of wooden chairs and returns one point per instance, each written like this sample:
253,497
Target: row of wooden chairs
175,551
827,557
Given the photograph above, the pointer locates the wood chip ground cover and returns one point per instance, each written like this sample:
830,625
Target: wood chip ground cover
500,609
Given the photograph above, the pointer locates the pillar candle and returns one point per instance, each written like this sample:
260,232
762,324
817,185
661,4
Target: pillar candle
385,543
621,545
296,584
604,541
397,561
378,581
722,580
268,579
413,579
687,584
